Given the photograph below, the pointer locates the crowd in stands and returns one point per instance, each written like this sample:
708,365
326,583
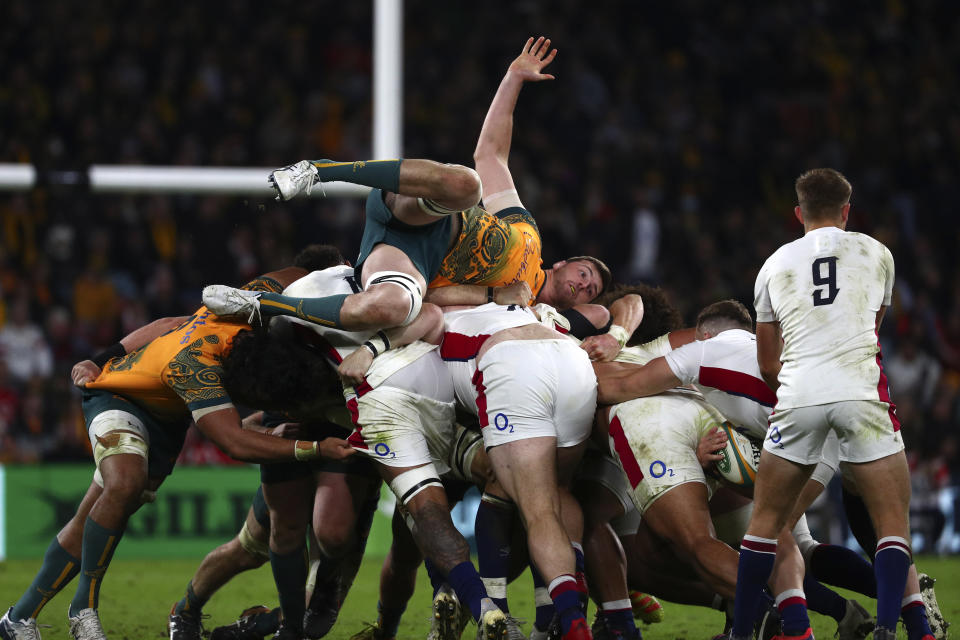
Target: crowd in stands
667,145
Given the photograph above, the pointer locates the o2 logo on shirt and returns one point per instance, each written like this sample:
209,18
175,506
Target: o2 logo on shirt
502,423
658,469
383,450
826,296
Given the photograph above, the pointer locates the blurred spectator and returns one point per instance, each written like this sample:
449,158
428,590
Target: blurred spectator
668,145
23,345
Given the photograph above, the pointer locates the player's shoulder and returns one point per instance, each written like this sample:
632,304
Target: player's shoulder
516,216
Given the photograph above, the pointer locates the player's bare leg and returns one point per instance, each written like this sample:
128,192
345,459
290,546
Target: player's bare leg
606,561
682,516
440,542
342,512
885,487
526,471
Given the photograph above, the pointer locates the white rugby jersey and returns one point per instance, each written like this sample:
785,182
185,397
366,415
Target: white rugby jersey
724,369
465,331
825,290
337,344
644,353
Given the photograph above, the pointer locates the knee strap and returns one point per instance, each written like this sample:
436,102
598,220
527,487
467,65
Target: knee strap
405,282
466,446
256,548
409,483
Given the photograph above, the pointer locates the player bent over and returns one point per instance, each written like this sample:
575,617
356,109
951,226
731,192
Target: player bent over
825,295
395,400
533,391
138,409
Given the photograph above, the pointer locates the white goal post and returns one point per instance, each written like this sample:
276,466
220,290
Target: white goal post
251,181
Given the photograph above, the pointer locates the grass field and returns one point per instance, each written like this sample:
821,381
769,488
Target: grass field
137,595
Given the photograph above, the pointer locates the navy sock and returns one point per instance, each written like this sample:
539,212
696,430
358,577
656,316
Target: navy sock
436,579
914,615
823,600
190,604
99,543
324,311
756,563
494,529
566,598
618,616
56,572
793,612
389,619
891,564
544,603
580,564
844,568
379,174
468,586
290,574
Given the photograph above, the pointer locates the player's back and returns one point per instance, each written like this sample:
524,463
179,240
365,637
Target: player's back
825,289
177,370
494,250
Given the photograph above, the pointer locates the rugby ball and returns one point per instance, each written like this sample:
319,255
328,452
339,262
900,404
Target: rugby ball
741,457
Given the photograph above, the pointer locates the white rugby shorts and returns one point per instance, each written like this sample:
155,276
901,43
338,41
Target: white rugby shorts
866,430
535,388
654,440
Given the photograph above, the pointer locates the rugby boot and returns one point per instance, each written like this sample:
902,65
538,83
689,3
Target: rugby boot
646,608
294,179
229,302
86,625
253,624
181,627
18,629
856,624
934,616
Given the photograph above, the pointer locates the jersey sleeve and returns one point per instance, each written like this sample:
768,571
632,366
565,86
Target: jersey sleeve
761,295
195,375
263,283
685,361
889,277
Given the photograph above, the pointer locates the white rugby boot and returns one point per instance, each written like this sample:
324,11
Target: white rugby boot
294,179
86,626
230,302
18,629
937,623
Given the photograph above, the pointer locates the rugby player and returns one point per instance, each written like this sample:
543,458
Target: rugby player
423,226
138,409
722,364
819,303
401,401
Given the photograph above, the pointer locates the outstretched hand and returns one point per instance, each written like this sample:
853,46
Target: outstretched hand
530,63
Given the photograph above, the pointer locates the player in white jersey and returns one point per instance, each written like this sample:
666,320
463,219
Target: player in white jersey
722,364
402,405
534,393
819,302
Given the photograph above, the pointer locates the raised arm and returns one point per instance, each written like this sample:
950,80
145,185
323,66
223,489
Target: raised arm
493,147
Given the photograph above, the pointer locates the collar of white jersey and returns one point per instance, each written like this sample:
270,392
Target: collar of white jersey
821,230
